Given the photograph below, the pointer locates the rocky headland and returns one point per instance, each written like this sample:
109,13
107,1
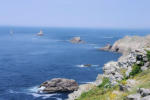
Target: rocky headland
125,79
128,43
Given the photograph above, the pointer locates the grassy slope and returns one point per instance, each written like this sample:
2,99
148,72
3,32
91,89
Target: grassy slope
97,93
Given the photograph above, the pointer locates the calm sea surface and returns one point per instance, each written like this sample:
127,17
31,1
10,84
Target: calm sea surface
27,60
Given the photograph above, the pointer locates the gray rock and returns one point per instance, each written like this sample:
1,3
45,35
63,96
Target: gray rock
129,43
58,85
98,79
106,48
134,97
144,92
128,71
76,40
145,59
138,62
147,64
143,68
124,88
146,98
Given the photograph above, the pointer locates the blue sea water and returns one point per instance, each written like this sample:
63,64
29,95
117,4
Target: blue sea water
27,60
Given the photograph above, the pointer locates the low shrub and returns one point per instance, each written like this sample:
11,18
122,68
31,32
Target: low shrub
148,55
105,83
135,70
123,82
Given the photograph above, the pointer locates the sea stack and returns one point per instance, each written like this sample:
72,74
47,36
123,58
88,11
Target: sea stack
76,40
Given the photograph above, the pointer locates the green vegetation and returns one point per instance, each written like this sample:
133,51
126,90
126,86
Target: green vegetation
105,83
148,54
123,72
142,80
135,70
105,92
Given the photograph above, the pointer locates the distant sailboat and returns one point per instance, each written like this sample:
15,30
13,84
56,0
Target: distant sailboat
40,33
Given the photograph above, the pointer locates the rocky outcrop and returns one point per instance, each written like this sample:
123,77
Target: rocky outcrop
85,87
76,40
113,70
106,48
58,85
128,43
142,94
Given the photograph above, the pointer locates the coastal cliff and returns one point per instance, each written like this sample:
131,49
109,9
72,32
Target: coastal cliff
125,79
128,43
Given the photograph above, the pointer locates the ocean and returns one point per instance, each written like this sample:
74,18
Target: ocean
27,60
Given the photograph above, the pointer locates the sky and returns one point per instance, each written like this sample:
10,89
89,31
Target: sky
76,13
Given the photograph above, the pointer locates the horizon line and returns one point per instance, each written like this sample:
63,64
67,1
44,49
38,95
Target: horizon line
75,27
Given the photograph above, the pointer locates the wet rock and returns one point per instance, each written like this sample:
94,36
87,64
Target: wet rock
58,85
87,65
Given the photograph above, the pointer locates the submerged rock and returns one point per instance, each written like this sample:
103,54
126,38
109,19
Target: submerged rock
58,85
87,65
106,48
76,40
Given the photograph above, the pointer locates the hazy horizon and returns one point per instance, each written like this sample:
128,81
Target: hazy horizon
76,14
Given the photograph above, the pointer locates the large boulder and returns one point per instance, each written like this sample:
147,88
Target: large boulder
58,85
76,40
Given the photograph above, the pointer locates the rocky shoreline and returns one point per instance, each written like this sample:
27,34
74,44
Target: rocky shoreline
134,53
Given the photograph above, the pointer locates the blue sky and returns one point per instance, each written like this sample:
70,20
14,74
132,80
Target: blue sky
76,13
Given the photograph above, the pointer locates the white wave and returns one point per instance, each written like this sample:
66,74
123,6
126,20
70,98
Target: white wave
44,96
95,65
82,65
107,37
12,91
85,82
34,91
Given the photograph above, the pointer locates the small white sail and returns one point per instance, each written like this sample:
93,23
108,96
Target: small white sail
40,33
